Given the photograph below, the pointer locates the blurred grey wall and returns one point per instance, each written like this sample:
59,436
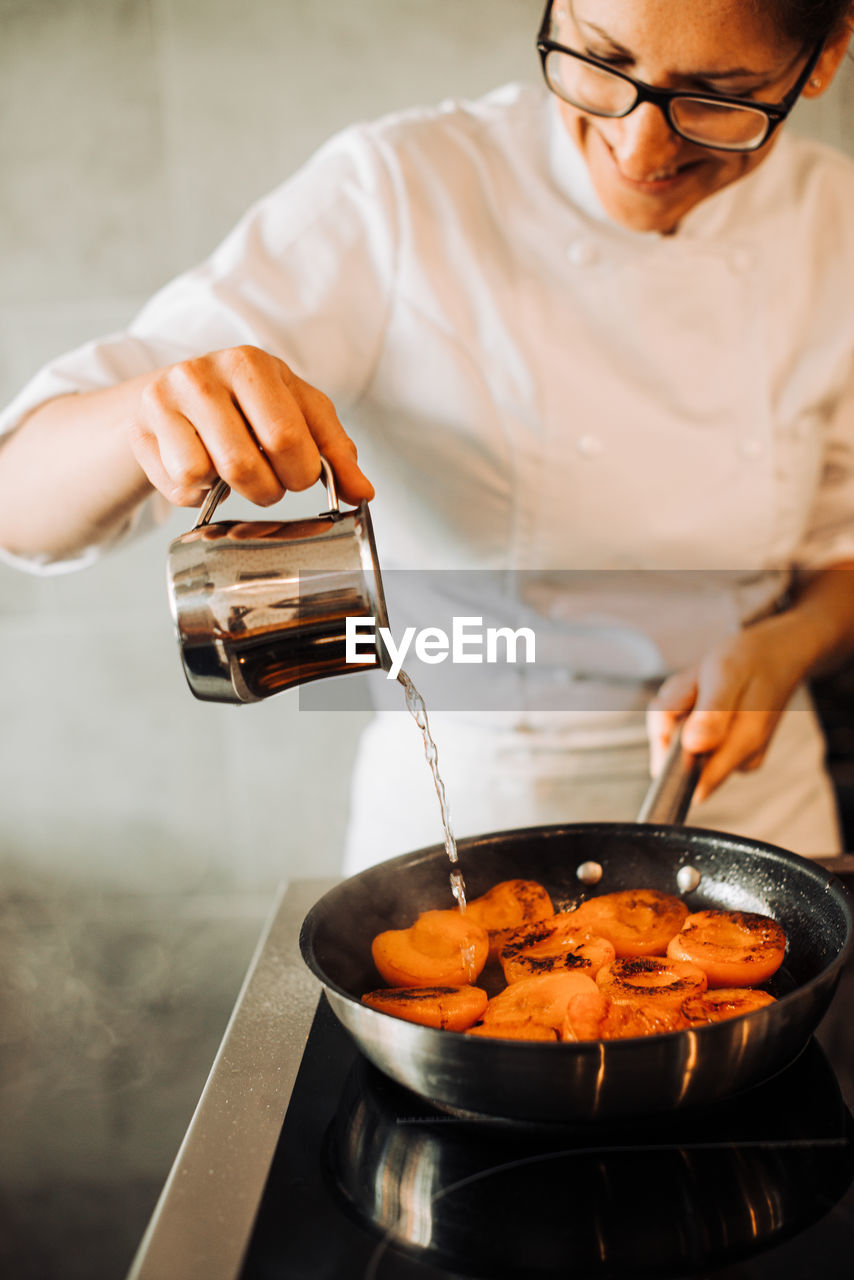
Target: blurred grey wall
132,134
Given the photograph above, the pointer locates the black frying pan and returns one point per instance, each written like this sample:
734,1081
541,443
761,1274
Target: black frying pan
541,1081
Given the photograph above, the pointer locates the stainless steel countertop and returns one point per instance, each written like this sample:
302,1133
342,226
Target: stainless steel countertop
202,1222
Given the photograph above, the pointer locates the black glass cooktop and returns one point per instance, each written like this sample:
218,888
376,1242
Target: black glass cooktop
370,1183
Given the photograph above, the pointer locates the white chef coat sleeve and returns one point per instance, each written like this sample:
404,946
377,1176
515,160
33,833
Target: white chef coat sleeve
829,538
305,275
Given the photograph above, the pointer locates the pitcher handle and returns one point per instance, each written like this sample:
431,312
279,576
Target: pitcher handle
670,792
220,489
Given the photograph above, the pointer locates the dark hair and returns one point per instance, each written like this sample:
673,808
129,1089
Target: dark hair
808,21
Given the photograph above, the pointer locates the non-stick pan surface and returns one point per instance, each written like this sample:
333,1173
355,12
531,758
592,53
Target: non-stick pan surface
569,1082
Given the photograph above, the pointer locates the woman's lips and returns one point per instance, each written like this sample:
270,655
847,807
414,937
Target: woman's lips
656,183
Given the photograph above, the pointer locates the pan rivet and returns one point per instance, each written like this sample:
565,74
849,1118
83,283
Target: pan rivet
589,873
687,878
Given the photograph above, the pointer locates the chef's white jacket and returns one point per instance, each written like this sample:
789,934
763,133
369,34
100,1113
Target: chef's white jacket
533,388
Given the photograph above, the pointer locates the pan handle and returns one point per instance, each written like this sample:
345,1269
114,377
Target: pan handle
671,790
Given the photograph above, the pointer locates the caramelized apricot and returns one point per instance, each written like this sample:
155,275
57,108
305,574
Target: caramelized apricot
449,1008
552,946
596,1017
508,905
639,922
733,948
538,1002
514,1031
724,1002
652,980
442,948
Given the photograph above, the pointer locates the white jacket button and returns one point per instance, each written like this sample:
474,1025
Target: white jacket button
589,446
582,253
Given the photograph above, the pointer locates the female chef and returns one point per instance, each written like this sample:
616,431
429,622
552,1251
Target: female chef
603,325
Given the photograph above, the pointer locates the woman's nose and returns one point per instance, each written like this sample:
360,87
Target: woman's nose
644,144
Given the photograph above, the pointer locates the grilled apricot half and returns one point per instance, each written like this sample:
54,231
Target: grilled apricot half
508,905
733,948
596,1017
724,1002
651,980
536,1003
448,1008
552,946
639,922
442,949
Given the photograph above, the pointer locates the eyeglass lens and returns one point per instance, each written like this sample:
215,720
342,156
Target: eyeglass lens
602,93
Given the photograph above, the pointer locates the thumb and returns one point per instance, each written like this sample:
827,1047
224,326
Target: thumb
352,482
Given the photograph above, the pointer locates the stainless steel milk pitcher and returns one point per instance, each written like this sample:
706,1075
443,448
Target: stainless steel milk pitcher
261,605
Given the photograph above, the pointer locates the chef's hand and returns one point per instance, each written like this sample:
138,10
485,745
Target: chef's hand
731,702
243,416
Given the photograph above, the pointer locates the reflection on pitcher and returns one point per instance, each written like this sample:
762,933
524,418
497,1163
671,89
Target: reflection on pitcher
261,606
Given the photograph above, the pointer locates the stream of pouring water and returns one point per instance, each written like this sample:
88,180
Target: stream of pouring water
418,710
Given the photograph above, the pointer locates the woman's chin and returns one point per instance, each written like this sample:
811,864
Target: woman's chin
654,203
646,214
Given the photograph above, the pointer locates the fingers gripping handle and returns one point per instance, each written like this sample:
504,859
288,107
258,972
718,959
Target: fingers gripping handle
221,489
671,790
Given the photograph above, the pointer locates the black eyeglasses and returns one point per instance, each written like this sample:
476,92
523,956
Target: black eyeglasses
711,120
